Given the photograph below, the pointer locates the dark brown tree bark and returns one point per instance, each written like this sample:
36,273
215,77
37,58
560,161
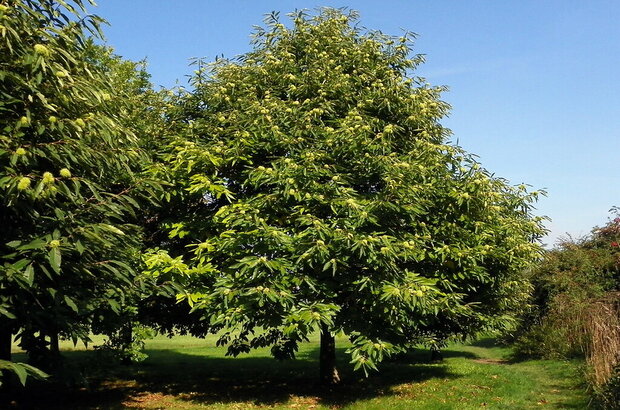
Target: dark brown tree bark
327,357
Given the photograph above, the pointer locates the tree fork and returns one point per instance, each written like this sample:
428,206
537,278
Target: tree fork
327,357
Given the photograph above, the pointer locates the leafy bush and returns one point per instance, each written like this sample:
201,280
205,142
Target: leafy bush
127,343
576,306
566,283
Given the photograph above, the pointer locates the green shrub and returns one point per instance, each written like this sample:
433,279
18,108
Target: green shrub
576,308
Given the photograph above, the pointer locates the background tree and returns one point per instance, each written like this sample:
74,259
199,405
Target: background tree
70,176
325,196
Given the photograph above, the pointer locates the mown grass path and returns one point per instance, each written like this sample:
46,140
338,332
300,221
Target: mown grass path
189,373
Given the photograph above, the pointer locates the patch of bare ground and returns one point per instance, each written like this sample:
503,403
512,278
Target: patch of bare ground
491,361
148,400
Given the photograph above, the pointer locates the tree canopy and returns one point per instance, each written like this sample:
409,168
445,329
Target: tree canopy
323,194
70,175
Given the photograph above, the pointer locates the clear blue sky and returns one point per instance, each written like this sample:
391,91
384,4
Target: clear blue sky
533,83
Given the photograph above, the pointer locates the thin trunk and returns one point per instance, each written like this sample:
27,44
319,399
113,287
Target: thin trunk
126,339
53,361
54,345
436,355
329,373
6,338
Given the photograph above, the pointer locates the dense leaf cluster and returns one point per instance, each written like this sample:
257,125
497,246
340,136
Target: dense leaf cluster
70,174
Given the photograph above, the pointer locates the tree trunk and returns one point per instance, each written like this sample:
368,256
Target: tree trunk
329,373
52,358
126,339
6,338
54,344
436,355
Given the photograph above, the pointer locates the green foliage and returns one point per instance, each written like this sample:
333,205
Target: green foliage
70,173
21,370
566,283
126,344
320,188
577,308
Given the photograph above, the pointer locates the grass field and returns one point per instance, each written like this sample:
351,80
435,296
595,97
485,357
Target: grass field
189,373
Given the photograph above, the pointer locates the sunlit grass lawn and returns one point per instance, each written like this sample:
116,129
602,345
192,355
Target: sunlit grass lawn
190,373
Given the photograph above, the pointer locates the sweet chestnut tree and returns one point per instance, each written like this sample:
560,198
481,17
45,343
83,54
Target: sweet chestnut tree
70,177
323,195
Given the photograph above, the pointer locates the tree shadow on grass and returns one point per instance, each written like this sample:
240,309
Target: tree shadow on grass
421,356
204,380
